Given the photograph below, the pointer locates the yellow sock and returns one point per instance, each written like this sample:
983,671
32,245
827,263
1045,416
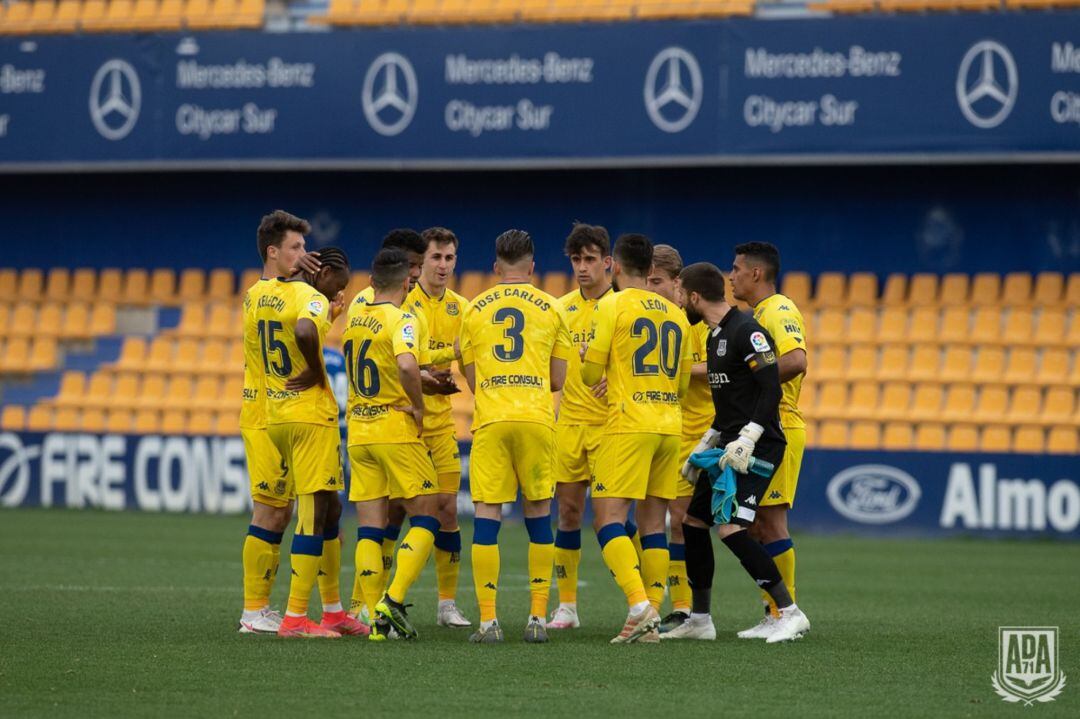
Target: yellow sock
678,586
783,553
356,599
412,555
485,565
541,559
277,560
330,574
566,573
621,559
447,563
654,567
258,562
368,585
635,537
389,541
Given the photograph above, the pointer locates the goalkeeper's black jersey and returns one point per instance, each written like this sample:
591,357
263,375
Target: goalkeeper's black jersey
745,380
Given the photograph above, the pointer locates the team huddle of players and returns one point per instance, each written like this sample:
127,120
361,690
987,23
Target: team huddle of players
653,366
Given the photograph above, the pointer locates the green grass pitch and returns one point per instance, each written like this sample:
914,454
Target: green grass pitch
135,614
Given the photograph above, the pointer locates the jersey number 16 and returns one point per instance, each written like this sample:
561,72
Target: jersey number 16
362,371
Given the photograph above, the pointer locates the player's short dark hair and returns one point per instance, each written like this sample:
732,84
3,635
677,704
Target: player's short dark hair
273,227
634,253
440,236
667,259
706,279
513,246
389,268
765,253
404,238
583,236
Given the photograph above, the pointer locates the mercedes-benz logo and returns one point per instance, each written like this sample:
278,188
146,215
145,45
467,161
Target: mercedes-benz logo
396,95
673,80
983,99
115,99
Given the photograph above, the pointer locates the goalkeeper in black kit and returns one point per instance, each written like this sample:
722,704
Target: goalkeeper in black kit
736,458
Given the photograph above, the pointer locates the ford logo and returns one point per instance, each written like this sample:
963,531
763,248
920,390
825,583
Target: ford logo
874,494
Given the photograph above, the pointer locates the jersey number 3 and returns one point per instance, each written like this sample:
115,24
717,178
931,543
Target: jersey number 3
514,346
669,337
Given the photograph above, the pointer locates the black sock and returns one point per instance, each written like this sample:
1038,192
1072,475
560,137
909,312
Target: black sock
759,565
700,565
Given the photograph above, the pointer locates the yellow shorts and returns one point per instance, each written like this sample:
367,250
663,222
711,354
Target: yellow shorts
575,451
631,466
782,487
446,455
508,455
397,471
271,482
312,453
683,488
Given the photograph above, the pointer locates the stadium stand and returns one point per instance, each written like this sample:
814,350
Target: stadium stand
983,363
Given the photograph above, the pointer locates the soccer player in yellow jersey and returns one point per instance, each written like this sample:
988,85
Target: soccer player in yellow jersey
514,348
292,317
582,413
441,310
640,342
753,280
697,416
281,242
388,457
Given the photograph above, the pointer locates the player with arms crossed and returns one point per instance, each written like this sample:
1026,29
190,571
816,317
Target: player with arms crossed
292,318
697,415
753,280
388,457
582,412
441,310
746,398
514,348
640,343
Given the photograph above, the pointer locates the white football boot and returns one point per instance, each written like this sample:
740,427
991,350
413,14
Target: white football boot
792,624
565,617
761,630
696,627
263,621
450,616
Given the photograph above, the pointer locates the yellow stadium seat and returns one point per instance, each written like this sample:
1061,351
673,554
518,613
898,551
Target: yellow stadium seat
159,354
220,285
892,326
173,421
66,419
136,282
39,418
31,285
507,10
83,284
832,400
179,391
147,421
865,435
225,424
1063,440
990,406
92,419
207,392
862,290
995,439
861,325
1053,366
200,422
1021,365
893,363
894,293
923,290
192,320
250,277
455,11
222,321
231,391
110,285
49,320
212,358
1016,290
556,283
58,285
152,394
796,287
989,364
956,366
9,282
234,357
419,12
13,418
121,421
925,363
831,290
163,286
924,325
963,438
185,358
986,289
16,19
16,355
144,16
1048,288
339,12
955,325
248,14
832,434
76,324
44,354
898,436
864,401
72,387
1072,334
103,319
92,16
986,328
118,15
830,327
895,401
929,437
192,285
830,362
1059,406
959,403
1018,326
954,289
197,14
98,390
1025,405
862,361
663,9
1050,327
125,391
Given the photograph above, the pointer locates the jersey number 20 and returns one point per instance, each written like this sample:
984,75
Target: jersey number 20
669,337
362,371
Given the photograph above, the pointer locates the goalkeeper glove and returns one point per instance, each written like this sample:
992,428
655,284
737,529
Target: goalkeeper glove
739,452
710,439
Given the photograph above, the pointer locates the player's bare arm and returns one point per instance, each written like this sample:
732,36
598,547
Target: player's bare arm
307,341
409,373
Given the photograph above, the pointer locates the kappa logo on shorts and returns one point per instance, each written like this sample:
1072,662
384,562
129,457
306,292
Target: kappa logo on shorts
751,500
774,495
263,486
599,487
538,580
428,484
368,573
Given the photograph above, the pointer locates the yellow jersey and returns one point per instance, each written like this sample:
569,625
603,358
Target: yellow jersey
442,315
376,333
276,312
697,406
642,341
783,321
253,407
509,334
578,406
367,295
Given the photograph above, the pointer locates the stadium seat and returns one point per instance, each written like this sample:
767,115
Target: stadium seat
200,422
1021,365
956,367
179,391
831,290
16,356
125,392
91,419
556,284
173,421
212,358
986,289
863,290
898,436
830,327
192,285
923,290
83,285
894,294
963,438
1016,290
861,325
864,400
152,394
796,287
954,290
991,403
23,320
98,390
893,364
865,435
1029,439
1049,327
1025,405
44,354
92,17
925,363
989,364
136,282
67,419
57,284
832,434
72,388
192,320
1019,325
39,418
147,421
9,282
995,439
120,421
832,400
103,319
924,325
1059,405
225,424
13,418
895,401
222,321
110,285
892,326
231,392
955,325
1063,440
985,328
163,286
959,403
185,357
250,277
159,355
929,437
220,287
76,323
207,391
1048,289
49,320
1053,366
1072,333
862,361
